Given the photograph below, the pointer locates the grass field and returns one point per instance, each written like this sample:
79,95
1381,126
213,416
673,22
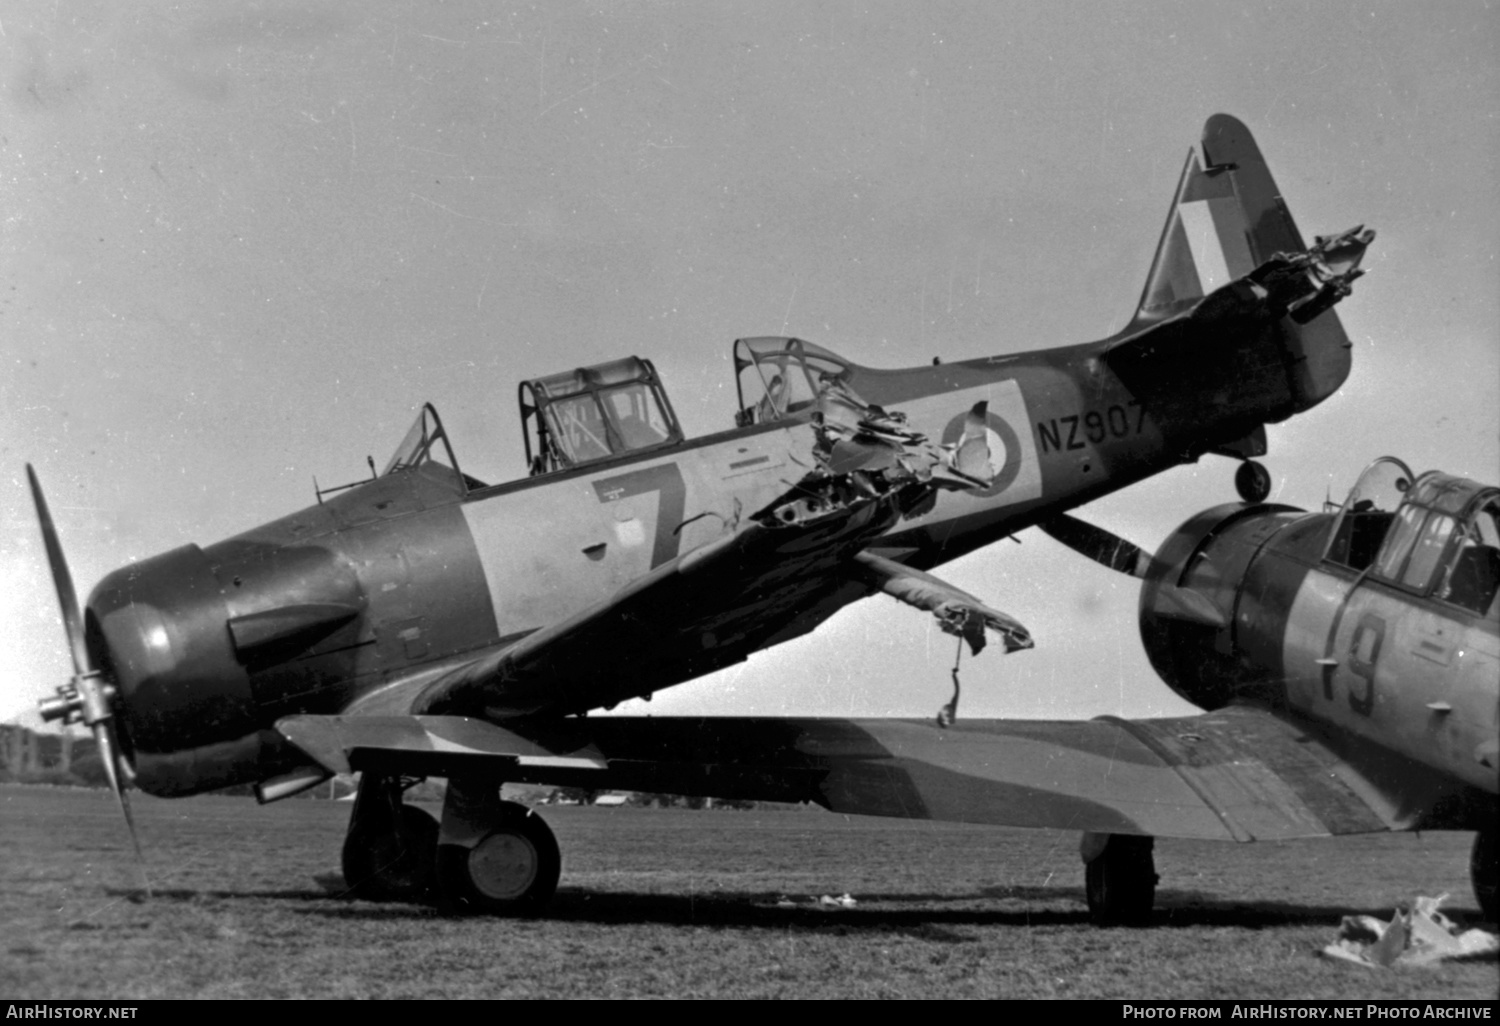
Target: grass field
676,903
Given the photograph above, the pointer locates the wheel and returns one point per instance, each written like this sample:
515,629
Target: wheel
1252,481
381,864
1120,882
511,871
1484,872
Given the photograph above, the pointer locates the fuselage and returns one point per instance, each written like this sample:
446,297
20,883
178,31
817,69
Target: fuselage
1384,635
436,568
392,584
1409,672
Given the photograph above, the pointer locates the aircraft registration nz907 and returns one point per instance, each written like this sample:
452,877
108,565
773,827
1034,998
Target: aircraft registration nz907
426,623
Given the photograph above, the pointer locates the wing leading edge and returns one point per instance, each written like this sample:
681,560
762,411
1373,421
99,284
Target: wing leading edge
1239,774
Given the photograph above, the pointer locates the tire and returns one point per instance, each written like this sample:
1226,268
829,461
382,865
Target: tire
1253,482
511,871
1484,872
1120,883
384,865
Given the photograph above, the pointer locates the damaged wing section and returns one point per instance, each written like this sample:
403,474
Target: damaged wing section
862,452
957,612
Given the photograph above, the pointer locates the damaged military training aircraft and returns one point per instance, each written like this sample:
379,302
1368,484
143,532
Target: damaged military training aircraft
425,623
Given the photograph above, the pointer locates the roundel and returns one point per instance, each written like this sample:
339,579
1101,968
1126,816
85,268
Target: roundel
1005,451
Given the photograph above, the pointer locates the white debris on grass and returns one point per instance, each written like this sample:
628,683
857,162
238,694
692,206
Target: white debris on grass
1418,935
826,901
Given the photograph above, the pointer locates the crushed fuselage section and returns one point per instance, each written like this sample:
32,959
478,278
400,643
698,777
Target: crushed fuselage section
862,453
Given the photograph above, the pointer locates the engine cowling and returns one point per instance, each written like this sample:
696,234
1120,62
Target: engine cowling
1216,596
190,639
156,628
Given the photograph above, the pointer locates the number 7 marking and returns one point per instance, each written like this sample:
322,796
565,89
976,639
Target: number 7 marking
665,478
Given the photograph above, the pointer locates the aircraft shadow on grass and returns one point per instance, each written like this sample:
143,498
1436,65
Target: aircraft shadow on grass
1175,909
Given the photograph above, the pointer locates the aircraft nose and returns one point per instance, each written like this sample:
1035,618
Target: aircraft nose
157,629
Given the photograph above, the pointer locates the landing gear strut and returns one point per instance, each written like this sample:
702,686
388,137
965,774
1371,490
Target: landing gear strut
494,856
1484,872
390,850
1252,481
1119,878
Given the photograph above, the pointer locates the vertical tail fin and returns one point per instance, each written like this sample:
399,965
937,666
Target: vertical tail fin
1227,219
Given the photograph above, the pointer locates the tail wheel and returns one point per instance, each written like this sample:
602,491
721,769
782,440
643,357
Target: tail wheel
1253,482
1120,882
512,870
1484,872
385,864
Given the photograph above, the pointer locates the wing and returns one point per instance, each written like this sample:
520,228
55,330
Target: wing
1239,774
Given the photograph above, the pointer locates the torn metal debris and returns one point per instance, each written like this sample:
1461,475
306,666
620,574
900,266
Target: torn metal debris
823,902
956,611
1306,284
862,452
1417,935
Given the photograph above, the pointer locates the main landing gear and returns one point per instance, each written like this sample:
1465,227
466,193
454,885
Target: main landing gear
390,850
494,856
1484,872
1119,878
488,856
1253,482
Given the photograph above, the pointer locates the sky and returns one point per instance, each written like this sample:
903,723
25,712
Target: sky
243,242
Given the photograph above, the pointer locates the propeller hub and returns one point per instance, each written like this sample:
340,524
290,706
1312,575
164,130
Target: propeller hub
86,699
66,705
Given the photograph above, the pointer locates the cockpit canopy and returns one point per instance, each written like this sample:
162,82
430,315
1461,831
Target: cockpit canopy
579,417
1435,535
594,413
778,377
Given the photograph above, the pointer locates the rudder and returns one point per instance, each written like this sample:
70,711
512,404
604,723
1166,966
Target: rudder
1228,218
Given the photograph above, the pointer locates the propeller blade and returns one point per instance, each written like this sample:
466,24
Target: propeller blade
67,598
1096,543
1111,550
109,754
88,696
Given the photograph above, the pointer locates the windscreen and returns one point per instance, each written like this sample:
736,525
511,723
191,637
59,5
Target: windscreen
1368,512
425,442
